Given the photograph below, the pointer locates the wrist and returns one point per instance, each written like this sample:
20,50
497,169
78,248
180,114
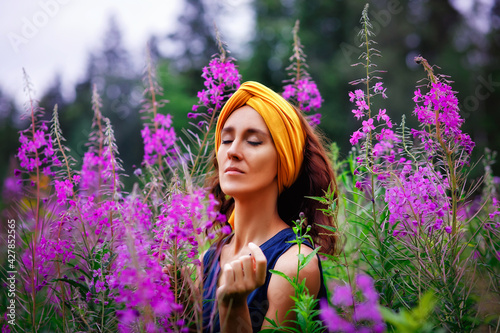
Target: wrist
233,302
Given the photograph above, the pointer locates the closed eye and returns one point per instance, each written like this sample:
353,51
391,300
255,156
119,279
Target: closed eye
254,143
225,142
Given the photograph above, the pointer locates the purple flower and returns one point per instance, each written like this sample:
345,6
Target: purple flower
361,104
355,137
226,230
353,310
314,119
289,91
12,189
358,113
221,78
439,108
358,94
365,284
158,138
127,316
367,311
64,189
332,321
383,115
387,135
307,95
342,296
36,149
379,89
418,195
368,125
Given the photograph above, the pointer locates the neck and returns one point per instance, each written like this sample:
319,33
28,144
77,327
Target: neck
255,220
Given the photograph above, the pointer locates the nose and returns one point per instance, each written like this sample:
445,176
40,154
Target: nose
234,151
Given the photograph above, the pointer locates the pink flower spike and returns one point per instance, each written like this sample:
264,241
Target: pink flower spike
362,105
378,86
368,125
355,137
358,113
351,96
289,92
379,89
382,115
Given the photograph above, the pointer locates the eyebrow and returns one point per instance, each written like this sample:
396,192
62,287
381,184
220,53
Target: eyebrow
247,131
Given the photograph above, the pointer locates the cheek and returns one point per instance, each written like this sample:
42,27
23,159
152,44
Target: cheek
269,163
220,155
220,161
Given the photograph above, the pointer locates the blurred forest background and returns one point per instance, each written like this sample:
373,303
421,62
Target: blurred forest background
457,42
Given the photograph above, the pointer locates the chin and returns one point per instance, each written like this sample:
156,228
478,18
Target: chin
231,191
236,190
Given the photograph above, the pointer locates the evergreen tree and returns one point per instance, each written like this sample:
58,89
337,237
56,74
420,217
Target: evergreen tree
194,38
8,130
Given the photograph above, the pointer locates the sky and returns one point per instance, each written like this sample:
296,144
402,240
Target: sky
49,37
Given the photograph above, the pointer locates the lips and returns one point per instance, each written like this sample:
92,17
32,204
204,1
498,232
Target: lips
233,170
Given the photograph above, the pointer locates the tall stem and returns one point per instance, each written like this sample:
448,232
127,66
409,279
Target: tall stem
37,217
368,154
205,138
153,99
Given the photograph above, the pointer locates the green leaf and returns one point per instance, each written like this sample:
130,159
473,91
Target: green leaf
327,227
412,321
302,322
81,287
320,199
303,263
425,306
283,275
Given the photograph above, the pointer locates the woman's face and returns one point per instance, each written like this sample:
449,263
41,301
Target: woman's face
247,157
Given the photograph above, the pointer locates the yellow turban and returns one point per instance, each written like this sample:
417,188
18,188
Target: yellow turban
282,121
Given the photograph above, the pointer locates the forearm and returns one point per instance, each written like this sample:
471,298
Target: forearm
235,319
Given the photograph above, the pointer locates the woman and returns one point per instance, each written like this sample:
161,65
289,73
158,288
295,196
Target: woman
268,159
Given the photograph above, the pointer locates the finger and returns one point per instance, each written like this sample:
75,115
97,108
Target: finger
238,270
260,263
227,275
248,267
220,293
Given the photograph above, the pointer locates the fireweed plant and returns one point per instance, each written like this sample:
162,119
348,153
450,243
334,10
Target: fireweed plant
411,222
420,252
300,89
91,256
221,80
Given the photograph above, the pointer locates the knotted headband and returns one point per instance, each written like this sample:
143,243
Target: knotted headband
282,121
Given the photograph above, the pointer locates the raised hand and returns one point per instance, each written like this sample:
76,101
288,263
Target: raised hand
242,276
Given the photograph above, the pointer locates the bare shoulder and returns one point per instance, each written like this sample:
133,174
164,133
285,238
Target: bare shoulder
288,263
280,291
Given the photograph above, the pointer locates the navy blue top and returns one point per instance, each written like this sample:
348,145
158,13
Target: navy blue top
257,300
